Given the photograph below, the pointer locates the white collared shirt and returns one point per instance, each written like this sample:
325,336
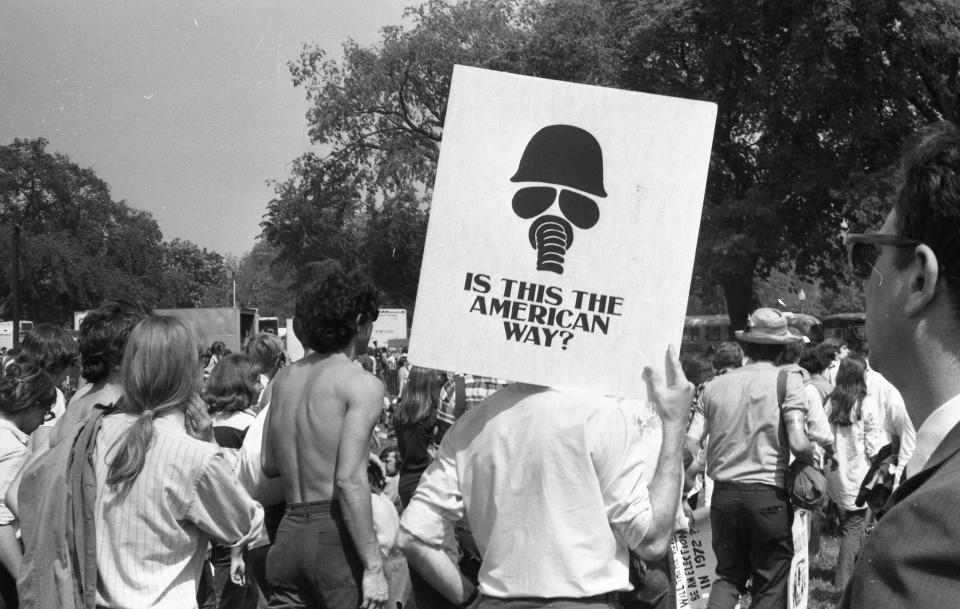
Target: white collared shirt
932,433
553,484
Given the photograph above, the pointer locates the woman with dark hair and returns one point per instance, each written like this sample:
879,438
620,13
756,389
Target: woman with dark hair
52,348
416,426
103,335
26,397
217,351
163,486
857,437
231,392
417,430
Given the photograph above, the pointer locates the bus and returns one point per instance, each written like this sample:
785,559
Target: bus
702,333
848,327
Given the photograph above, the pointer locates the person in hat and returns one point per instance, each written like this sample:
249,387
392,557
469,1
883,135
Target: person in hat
747,458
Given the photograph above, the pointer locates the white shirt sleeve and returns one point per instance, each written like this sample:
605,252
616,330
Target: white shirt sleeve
437,501
616,449
221,507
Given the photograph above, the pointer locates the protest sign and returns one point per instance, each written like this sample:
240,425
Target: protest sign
799,582
695,565
562,231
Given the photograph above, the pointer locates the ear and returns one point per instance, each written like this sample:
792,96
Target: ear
922,286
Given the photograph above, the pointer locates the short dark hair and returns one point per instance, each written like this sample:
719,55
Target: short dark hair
727,355
232,385
815,358
831,346
762,352
103,335
928,203
329,304
51,347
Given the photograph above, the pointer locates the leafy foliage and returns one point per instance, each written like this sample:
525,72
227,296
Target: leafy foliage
379,111
80,247
813,100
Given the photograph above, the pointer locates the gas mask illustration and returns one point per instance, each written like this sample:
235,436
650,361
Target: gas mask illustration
567,162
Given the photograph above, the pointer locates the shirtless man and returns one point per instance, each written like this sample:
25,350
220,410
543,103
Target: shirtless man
323,409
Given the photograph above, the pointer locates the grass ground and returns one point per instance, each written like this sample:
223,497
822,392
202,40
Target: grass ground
822,593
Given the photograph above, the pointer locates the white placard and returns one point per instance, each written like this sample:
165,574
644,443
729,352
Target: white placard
799,581
391,324
695,565
562,231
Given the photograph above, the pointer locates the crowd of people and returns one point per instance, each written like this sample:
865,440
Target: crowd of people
177,476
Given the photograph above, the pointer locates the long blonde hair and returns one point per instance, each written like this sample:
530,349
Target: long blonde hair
160,372
421,396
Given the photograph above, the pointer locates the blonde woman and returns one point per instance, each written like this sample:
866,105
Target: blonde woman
164,488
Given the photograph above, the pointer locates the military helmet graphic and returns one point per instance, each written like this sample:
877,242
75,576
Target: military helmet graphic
563,155
570,160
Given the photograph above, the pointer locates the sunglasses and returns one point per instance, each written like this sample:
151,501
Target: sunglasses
863,249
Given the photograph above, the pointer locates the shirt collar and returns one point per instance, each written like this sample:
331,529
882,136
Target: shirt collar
932,433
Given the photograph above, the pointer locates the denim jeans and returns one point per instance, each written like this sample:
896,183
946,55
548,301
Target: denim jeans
852,531
752,540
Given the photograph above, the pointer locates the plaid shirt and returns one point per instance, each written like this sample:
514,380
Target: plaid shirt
476,390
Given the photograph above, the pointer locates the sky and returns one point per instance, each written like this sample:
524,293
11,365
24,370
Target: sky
186,109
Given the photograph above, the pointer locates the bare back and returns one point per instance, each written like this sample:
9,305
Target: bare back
322,412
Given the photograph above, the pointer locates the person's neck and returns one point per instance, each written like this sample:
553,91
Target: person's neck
932,377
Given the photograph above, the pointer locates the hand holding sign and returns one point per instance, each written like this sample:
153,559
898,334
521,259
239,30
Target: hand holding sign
672,399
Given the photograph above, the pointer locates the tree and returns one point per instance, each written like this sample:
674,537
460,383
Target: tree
264,283
379,112
78,244
193,277
80,247
811,97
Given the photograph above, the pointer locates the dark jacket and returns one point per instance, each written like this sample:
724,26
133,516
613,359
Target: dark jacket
57,497
911,558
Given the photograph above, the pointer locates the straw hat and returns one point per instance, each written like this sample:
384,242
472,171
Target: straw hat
767,327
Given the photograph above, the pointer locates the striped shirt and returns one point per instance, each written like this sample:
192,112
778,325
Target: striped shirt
151,545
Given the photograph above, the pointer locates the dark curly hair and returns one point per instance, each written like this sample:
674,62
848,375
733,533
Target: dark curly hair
103,335
50,347
329,304
232,385
24,384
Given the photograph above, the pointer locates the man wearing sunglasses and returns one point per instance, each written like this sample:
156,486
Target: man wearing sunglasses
911,278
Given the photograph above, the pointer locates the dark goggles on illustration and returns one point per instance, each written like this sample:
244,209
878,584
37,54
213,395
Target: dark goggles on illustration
863,249
582,211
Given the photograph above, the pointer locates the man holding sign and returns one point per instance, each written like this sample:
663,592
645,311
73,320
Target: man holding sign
589,201
552,483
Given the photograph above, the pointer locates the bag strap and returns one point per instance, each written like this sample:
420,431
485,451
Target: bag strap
460,397
781,388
